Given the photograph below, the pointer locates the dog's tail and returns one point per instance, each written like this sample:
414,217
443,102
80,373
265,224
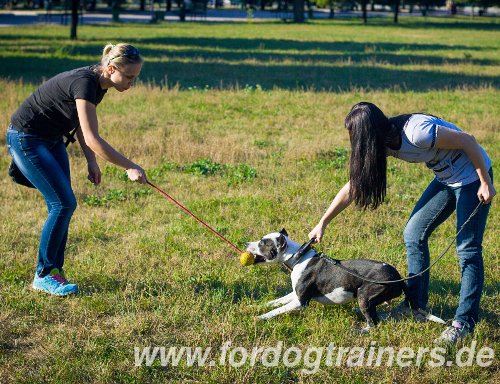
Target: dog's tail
424,313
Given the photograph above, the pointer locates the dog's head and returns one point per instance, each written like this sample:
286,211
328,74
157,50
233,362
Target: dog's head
271,248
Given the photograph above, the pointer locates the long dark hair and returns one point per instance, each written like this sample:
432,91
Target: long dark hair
370,131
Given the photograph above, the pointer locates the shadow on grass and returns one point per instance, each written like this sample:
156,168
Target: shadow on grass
237,291
240,290
94,46
293,77
105,283
98,283
346,57
239,44
440,286
271,63
440,23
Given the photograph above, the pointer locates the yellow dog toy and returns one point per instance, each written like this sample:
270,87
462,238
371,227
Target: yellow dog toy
246,259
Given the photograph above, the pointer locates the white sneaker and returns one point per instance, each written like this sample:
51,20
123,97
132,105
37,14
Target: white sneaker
453,334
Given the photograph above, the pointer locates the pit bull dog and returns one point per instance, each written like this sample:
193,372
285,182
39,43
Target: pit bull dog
317,277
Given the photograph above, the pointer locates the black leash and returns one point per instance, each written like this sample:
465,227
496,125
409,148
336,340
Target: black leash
306,246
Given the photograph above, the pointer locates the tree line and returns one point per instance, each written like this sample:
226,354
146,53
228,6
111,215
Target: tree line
296,8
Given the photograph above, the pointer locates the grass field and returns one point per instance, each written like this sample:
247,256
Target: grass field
242,123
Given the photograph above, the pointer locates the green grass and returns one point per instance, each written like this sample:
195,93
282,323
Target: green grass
243,124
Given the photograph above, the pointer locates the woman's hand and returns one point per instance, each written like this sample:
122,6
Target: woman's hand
317,232
486,192
137,174
94,173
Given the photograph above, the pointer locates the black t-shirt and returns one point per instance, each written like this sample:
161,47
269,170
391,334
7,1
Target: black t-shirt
50,111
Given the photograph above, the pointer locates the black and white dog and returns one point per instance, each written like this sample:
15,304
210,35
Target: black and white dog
315,278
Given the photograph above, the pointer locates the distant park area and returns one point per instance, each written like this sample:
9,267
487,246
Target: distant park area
242,122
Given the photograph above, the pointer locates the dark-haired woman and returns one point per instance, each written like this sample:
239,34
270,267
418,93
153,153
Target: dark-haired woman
35,142
463,178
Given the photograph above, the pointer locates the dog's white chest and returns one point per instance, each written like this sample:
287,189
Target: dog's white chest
337,296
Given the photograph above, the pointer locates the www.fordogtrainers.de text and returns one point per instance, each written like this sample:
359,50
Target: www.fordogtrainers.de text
312,358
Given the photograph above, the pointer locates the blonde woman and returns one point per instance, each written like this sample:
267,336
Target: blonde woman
35,142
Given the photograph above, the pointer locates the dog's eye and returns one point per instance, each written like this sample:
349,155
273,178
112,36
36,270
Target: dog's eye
261,242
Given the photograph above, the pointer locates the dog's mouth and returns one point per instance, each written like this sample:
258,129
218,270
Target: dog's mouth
259,259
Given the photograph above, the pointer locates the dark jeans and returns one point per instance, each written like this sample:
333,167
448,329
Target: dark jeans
45,163
436,204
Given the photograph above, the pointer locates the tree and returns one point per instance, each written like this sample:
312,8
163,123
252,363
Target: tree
481,4
424,5
298,11
327,3
75,4
396,10
363,9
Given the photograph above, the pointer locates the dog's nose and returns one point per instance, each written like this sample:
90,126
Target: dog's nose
247,244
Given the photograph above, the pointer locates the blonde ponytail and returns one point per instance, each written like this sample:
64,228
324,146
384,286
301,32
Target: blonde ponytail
120,55
107,49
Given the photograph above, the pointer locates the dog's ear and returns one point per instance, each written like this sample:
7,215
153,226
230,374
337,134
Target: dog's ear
281,242
283,232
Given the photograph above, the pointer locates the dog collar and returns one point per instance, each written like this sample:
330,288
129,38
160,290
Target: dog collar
297,256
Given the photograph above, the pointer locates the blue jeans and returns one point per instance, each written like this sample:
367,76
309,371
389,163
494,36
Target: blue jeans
45,163
436,204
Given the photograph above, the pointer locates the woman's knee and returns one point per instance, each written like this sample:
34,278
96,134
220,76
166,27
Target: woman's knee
470,253
69,203
412,234
64,204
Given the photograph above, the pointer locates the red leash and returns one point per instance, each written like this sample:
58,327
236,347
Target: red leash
192,215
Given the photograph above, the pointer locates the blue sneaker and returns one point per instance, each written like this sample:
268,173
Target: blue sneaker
54,283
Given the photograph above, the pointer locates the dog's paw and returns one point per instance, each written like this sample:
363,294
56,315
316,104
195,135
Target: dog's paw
260,318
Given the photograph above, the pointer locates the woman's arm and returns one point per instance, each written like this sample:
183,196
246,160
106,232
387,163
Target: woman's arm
451,139
93,168
339,203
88,153
88,122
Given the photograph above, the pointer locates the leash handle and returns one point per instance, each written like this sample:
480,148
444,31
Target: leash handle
194,216
305,247
292,261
